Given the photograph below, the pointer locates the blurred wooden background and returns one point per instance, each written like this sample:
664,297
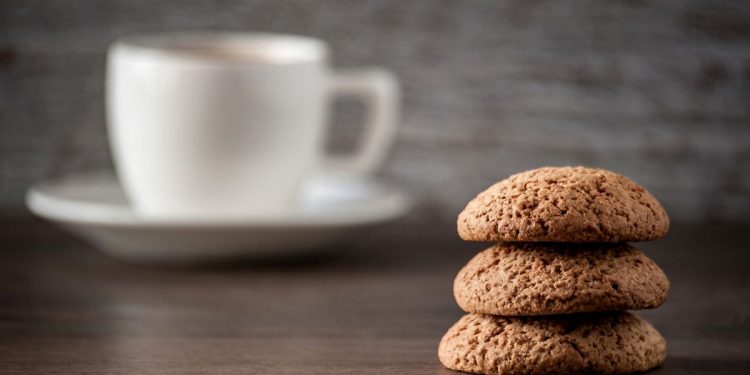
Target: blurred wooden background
659,91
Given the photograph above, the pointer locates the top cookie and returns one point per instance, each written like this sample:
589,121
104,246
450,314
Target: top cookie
564,204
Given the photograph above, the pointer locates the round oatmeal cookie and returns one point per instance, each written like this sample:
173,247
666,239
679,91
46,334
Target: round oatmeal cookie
551,278
602,343
564,204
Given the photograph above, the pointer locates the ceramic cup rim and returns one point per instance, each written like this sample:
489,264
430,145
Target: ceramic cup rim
279,49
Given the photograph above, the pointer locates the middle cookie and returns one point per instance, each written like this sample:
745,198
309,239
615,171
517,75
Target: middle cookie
544,278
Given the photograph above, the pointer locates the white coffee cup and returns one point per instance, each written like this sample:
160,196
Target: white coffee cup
225,125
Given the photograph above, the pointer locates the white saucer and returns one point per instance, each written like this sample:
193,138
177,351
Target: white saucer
95,208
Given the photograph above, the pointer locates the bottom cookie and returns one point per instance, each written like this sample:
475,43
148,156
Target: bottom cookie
601,343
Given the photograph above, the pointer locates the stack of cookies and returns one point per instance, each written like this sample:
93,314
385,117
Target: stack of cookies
549,297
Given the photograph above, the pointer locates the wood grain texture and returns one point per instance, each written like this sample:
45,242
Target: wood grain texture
377,305
658,91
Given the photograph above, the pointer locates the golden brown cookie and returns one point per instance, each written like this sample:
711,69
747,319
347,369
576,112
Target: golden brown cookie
548,278
564,204
603,343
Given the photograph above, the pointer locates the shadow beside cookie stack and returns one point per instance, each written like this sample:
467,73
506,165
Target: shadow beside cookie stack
550,297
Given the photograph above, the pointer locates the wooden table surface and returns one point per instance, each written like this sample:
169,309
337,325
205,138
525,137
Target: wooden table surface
376,305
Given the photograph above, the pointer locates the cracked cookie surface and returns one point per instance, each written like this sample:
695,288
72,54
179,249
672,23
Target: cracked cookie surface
564,204
552,278
602,343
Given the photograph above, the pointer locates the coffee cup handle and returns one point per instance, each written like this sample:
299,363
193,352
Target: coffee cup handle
379,91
